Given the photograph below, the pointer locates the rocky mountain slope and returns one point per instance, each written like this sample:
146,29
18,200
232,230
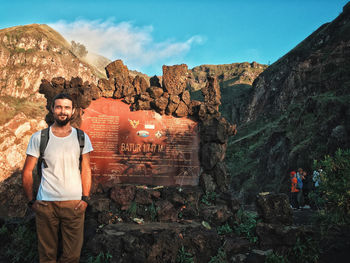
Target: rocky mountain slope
33,52
298,111
235,82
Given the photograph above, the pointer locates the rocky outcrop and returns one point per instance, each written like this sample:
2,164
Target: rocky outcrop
235,73
15,137
34,52
235,81
274,208
17,133
317,65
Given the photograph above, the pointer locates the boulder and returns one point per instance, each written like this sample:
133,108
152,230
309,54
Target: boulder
140,85
277,235
143,197
174,101
123,195
161,104
175,78
181,110
155,92
75,82
186,97
117,68
274,208
166,211
107,88
234,245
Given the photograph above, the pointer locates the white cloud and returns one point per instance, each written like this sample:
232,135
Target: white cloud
134,45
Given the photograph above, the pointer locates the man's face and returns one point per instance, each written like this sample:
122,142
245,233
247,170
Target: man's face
62,111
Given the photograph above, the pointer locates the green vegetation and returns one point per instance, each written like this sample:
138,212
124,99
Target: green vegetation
305,251
153,212
100,258
246,225
224,229
275,258
299,135
30,108
132,211
19,242
183,256
333,193
209,198
220,257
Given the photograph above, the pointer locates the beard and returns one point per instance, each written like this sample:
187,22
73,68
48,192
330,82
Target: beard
62,122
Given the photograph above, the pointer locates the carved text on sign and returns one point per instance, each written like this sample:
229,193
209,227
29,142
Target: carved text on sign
140,146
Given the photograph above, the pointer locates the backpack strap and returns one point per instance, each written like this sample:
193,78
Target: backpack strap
44,139
81,139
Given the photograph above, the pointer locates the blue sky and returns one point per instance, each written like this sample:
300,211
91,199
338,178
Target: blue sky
148,34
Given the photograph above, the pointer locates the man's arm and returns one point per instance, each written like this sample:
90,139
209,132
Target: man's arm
27,176
85,179
86,174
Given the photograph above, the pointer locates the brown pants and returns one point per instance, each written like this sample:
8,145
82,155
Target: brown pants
49,219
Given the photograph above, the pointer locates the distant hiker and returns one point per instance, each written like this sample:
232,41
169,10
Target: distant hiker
307,189
64,188
300,176
293,190
316,177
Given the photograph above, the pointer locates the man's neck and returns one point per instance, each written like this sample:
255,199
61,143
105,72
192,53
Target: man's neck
61,131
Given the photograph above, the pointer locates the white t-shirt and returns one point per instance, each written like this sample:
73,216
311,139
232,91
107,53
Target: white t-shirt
61,180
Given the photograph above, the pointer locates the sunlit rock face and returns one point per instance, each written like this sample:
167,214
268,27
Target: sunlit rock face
33,52
15,137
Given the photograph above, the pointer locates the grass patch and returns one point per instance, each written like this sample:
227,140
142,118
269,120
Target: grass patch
16,105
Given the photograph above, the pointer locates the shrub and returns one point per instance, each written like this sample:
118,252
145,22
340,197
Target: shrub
246,225
183,256
21,245
220,256
101,258
275,258
305,251
333,192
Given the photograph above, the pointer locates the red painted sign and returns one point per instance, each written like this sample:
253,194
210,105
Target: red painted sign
141,147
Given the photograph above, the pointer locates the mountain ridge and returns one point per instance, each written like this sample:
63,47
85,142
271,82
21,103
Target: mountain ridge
297,112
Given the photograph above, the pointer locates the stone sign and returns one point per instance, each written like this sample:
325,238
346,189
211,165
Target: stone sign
140,147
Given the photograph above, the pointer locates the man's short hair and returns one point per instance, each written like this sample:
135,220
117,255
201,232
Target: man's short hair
63,96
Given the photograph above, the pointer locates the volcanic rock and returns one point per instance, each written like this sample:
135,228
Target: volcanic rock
107,88
211,93
182,110
175,78
211,154
123,195
154,81
155,92
140,85
186,97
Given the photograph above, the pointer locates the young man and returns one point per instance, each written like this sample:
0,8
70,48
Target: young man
64,189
